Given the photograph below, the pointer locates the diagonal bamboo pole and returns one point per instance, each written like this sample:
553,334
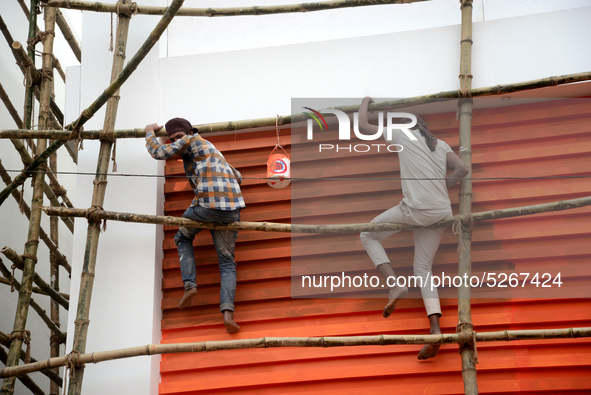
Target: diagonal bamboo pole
25,380
31,245
288,119
49,191
231,11
118,76
61,259
295,228
19,263
275,342
11,110
47,372
42,314
465,327
35,290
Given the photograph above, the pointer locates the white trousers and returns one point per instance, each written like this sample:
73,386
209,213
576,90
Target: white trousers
426,245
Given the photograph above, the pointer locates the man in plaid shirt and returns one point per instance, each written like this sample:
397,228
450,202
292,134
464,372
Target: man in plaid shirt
217,199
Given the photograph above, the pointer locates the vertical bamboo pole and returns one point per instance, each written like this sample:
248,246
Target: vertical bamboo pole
465,327
54,343
98,197
31,245
29,94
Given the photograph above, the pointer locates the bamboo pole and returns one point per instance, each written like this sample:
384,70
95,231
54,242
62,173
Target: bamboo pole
11,110
465,327
54,275
36,290
100,101
47,372
64,27
231,11
98,197
49,192
275,342
32,244
19,263
38,309
26,380
295,228
288,119
118,76
62,260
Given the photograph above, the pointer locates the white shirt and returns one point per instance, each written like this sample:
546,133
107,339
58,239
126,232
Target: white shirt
423,171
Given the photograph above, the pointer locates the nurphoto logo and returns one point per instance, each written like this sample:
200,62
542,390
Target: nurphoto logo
345,130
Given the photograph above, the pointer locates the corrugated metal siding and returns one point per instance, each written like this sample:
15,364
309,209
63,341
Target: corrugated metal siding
548,139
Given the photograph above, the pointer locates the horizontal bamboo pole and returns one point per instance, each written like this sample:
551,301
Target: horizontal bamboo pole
294,228
47,372
42,313
19,263
230,11
288,119
274,342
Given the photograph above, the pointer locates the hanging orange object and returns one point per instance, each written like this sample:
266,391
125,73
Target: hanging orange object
278,169
278,165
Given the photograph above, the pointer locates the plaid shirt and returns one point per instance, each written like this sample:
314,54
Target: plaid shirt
211,177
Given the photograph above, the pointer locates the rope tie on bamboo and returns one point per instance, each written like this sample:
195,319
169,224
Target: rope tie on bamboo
467,340
93,215
109,135
25,336
464,94
464,3
458,228
32,41
27,78
55,339
75,131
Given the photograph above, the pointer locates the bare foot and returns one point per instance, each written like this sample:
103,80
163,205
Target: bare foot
429,350
187,296
231,326
396,293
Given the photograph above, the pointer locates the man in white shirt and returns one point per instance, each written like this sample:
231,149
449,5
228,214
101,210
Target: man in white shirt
423,167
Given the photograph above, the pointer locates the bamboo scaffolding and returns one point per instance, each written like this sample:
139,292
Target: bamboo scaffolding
26,380
288,119
38,309
32,244
465,326
98,197
49,192
118,76
275,342
61,259
54,275
295,228
230,11
36,290
19,263
47,372
27,65
100,101
64,27
11,110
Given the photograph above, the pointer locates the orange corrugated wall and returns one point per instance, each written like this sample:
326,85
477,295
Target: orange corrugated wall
547,139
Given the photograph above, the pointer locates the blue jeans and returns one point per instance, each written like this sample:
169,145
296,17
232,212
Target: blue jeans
224,242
